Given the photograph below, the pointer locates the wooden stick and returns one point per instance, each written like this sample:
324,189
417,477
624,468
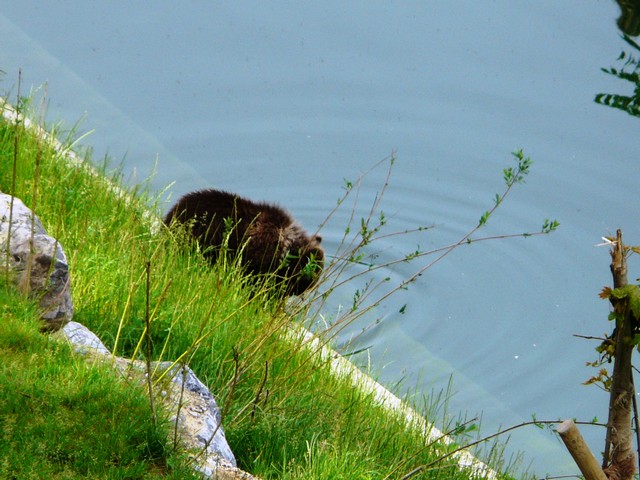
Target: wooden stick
580,452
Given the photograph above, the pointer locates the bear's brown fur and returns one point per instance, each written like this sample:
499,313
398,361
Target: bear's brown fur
269,239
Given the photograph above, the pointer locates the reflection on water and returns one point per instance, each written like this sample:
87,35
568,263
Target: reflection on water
283,104
629,19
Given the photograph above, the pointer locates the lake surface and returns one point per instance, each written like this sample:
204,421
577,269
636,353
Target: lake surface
282,101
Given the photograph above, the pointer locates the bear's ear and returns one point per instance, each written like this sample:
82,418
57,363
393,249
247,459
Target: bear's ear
317,240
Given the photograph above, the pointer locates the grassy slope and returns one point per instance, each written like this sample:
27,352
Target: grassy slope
285,415
62,417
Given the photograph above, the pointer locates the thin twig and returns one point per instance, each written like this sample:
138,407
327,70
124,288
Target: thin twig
440,438
12,192
260,388
421,468
148,339
183,369
588,337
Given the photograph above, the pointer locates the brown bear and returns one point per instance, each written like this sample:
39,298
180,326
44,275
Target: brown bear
268,239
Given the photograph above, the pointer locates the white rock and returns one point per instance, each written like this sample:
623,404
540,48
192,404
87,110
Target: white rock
83,339
35,261
200,416
184,396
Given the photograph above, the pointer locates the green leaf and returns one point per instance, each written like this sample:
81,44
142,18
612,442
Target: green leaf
509,176
483,219
549,225
632,294
634,302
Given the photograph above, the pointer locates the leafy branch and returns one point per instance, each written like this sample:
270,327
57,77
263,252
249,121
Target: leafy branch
630,72
354,249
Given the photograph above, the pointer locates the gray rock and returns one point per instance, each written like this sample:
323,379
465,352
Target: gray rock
199,414
83,339
34,261
188,401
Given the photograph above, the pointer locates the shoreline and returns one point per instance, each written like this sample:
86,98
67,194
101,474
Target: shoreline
340,366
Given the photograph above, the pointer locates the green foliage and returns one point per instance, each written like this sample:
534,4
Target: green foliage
515,175
624,299
355,256
549,225
63,417
511,177
626,307
630,72
630,293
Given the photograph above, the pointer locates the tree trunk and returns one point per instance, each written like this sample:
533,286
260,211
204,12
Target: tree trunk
619,432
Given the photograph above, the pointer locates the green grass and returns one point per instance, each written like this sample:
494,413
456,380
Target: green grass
63,417
285,414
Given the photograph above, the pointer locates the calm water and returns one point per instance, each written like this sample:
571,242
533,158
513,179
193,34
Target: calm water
283,100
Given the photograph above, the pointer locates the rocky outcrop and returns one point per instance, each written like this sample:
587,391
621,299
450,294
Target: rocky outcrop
188,401
34,261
